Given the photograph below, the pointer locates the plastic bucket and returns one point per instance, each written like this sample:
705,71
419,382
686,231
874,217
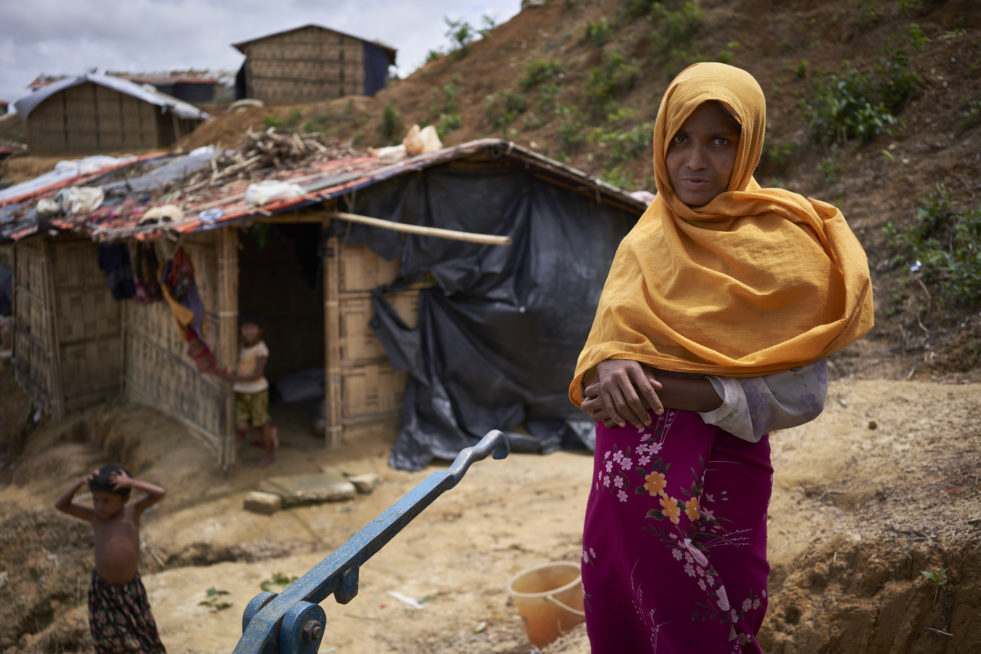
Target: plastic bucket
549,600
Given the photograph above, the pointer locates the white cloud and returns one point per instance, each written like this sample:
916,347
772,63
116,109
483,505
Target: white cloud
59,37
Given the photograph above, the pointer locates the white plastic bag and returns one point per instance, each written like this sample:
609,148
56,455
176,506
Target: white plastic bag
419,141
80,199
260,193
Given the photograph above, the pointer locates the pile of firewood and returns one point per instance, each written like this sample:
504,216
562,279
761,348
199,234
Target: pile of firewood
265,151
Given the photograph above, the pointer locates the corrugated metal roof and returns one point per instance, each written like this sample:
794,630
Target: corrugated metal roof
320,181
27,104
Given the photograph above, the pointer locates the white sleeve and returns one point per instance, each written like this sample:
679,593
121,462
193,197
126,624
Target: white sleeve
755,406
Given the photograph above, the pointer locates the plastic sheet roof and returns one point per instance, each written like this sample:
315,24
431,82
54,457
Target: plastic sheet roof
167,103
134,187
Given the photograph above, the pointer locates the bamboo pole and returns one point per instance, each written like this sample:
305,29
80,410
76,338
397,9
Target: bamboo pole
54,345
490,239
332,341
227,334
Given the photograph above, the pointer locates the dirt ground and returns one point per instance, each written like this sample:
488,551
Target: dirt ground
883,486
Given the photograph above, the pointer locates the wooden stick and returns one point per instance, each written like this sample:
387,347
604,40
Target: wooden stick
490,239
227,350
333,402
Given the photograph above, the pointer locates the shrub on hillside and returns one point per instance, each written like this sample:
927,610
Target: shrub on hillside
943,247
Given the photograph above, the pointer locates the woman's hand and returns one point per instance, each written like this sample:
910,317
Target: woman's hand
624,391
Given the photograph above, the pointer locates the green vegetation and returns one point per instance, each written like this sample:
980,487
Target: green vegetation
859,105
675,22
293,119
776,155
943,248
599,33
616,147
938,578
213,600
447,123
916,37
728,54
572,133
548,98
391,124
612,78
504,107
316,124
277,582
272,120
829,171
800,71
461,34
971,116
633,9
539,72
445,114
618,177
863,104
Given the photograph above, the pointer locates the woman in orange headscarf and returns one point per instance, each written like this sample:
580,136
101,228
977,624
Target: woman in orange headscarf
713,326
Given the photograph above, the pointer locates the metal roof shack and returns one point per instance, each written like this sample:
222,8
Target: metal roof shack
432,297
311,63
98,113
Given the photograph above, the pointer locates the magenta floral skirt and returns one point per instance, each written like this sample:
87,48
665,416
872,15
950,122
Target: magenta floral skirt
674,543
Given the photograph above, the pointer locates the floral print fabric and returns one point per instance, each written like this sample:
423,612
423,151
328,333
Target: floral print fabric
674,543
120,618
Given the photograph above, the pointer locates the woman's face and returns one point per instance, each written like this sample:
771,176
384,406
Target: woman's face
702,154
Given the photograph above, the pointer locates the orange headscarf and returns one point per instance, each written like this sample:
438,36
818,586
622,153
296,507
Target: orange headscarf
754,282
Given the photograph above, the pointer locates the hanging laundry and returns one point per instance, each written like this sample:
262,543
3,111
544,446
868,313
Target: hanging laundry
181,293
180,275
145,267
114,261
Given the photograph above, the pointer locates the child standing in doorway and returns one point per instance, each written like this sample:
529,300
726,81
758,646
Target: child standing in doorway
120,618
251,388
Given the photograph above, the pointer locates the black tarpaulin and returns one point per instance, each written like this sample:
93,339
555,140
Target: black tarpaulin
499,334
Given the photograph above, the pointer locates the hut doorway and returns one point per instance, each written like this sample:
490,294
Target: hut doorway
281,279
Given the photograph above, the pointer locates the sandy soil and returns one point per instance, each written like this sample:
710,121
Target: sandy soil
882,486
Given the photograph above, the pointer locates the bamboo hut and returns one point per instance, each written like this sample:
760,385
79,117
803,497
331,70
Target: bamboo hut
99,113
310,64
315,264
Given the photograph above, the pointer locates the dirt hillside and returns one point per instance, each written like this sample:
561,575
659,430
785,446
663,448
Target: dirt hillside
875,521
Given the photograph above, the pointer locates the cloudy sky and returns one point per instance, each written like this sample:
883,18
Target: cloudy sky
73,36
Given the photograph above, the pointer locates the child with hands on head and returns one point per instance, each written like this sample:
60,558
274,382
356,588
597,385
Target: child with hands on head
120,618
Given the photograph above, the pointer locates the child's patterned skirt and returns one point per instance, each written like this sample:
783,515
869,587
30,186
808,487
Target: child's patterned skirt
120,618
674,544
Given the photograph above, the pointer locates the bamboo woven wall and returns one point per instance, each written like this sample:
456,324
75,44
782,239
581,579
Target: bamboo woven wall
90,117
88,324
157,369
305,65
34,359
67,336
